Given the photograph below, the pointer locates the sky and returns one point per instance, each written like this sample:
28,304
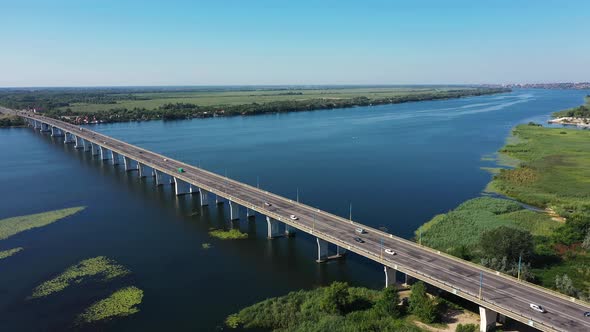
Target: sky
299,42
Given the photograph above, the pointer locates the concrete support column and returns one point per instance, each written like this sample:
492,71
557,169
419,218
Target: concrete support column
289,230
114,158
204,196
87,145
95,149
250,213
68,138
130,164
145,170
273,228
234,211
104,153
79,142
181,187
322,250
487,319
37,125
218,200
45,127
409,280
56,132
340,251
162,178
390,278
194,189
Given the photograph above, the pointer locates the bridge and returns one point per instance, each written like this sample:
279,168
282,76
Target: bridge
498,295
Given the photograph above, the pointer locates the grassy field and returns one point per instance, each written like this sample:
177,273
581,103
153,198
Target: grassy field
153,100
9,252
15,225
121,303
555,169
97,268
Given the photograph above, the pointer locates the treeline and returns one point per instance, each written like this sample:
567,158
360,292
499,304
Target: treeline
175,111
50,99
11,121
576,112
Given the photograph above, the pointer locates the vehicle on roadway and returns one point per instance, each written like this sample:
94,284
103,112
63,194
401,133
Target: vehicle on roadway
181,170
389,251
267,204
293,217
165,159
587,314
360,231
359,240
538,308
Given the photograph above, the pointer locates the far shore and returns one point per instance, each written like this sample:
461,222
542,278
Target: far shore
571,121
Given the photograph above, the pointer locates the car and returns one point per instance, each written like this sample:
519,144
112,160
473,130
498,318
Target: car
359,240
293,217
587,314
389,251
165,159
181,170
538,308
267,204
360,231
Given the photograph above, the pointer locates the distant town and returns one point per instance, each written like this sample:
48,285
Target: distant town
568,85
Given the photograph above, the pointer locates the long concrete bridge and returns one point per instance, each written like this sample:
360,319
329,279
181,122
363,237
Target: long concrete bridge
497,295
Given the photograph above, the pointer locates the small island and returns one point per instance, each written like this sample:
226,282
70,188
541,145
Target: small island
577,116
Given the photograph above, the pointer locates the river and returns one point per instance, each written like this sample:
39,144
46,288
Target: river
398,165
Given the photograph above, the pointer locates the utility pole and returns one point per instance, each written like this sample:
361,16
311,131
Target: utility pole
519,264
350,213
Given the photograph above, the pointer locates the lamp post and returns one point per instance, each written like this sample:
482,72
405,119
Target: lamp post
350,213
384,229
257,181
480,283
297,194
519,264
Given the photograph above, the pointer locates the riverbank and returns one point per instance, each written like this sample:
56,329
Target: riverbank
552,174
98,106
577,116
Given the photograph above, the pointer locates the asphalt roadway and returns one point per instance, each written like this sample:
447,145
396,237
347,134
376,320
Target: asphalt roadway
499,293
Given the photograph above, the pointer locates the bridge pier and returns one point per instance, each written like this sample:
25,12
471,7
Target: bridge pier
68,138
181,187
104,153
87,145
194,189
130,164
390,276
322,250
114,158
37,125
234,211
79,142
487,319
204,196
162,178
218,200
55,132
289,231
144,170
45,127
273,228
95,149
250,213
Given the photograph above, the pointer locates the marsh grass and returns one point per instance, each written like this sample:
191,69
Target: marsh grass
16,225
232,234
121,303
9,252
98,268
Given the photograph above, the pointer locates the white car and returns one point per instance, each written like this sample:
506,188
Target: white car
360,231
389,251
538,308
267,204
293,217
165,159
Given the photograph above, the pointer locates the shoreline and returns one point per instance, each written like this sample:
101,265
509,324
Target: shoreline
571,121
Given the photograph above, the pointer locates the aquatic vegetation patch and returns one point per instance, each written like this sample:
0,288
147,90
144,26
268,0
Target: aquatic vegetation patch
15,225
101,267
206,245
9,252
232,234
121,303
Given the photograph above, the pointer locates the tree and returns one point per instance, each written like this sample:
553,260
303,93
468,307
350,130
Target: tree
387,304
508,242
564,284
586,243
425,308
336,298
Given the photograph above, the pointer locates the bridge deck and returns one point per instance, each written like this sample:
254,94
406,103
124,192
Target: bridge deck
502,294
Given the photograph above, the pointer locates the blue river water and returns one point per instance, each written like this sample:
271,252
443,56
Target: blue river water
397,165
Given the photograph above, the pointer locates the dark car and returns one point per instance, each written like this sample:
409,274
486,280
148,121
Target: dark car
587,314
359,240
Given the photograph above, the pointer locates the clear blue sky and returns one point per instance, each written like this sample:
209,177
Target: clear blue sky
217,42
